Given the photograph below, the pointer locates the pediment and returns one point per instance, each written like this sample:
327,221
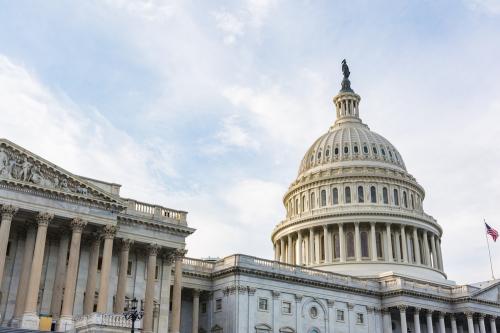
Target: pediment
21,169
490,293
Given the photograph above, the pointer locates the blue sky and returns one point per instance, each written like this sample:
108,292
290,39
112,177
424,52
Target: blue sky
209,106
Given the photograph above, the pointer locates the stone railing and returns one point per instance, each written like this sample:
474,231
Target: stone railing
104,320
155,212
198,265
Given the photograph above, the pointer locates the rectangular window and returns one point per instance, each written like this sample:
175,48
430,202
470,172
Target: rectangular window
157,271
360,318
204,307
99,263
286,307
7,253
129,268
218,304
340,315
263,306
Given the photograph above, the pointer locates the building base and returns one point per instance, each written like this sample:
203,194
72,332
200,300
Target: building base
30,321
65,324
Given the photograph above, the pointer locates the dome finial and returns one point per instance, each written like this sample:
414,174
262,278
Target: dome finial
346,84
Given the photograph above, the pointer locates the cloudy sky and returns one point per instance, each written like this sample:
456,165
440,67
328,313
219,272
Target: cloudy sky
208,106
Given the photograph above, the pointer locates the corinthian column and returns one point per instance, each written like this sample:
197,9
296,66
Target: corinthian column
404,244
30,318
388,242
357,242
150,289
427,254
434,254
299,249
482,327
374,241
196,307
22,288
428,315
88,301
289,258
109,233
57,292
66,320
7,212
453,323
122,276
416,246
402,315
167,262
493,325
416,320
176,299
342,242
442,327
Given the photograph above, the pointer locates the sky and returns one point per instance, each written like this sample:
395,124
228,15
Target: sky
209,106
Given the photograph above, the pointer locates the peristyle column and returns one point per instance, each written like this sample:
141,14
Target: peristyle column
66,320
196,307
374,241
22,288
299,246
357,242
342,242
434,254
453,322
311,247
442,327
416,320
388,242
122,275
109,233
88,301
402,315
176,299
30,318
428,317
482,327
416,247
404,244
290,251
8,212
427,254
150,288
470,321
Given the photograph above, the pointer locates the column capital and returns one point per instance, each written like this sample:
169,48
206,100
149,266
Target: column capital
356,223
179,254
416,310
168,257
44,218
298,298
481,316
196,292
126,243
442,314
251,291
428,312
8,211
370,309
77,224
276,294
109,231
153,249
385,310
469,314
325,227
372,224
330,303
402,307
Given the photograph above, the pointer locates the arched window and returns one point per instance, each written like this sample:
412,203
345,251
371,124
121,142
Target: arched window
313,200
412,199
303,203
375,150
396,197
405,199
378,239
327,152
346,150
385,196
365,149
335,196
336,151
296,206
364,244
323,198
355,149
336,246
373,194
382,150
361,195
319,155
347,194
350,244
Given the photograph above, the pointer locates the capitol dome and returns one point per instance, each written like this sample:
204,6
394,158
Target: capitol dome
354,208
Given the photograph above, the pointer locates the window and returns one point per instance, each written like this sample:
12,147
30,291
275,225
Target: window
319,155
361,195
218,304
99,263
364,244
336,246
340,315
360,318
347,194
7,252
313,199
312,158
365,149
396,197
378,240
129,268
355,149
382,150
296,205
346,150
157,271
385,196
373,194
263,304
335,196
412,200
286,308
405,200
350,244
327,152
313,311
303,203
390,154
323,198
375,150
204,307
336,151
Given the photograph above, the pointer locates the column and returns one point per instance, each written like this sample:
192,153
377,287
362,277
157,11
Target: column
30,318
326,249
404,244
416,247
276,252
167,262
386,313
330,245
88,301
442,327
310,259
66,320
342,242
416,320
147,323
434,254
470,322
482,327
428,317
176,299
493,325
122,275
374,241
299,246
109,233
426,250
317,243
357,242
282,250
388,242
402,315
8,212
440,255
22,288
196,308
290,249
398,245
453,323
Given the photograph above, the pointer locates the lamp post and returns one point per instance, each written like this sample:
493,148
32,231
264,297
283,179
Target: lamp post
133,314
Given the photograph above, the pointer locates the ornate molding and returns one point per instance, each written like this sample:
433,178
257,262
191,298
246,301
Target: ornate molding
251,290
153,249
330,303
276,294
109,231
402,308
168,257
8,211
179,254
43,219
298,298
125,244
350,306
77,224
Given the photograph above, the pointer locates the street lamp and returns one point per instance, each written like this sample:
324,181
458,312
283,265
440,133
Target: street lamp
133,314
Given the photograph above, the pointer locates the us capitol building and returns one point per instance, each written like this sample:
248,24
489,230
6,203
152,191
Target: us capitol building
355,252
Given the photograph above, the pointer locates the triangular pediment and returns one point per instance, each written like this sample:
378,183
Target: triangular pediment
21,169
490,293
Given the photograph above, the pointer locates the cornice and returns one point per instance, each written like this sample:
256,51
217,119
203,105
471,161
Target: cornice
156,225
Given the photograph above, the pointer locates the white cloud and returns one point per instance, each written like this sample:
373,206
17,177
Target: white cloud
229,24
486,6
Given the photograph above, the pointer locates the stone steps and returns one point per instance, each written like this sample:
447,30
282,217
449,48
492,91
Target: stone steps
16,330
